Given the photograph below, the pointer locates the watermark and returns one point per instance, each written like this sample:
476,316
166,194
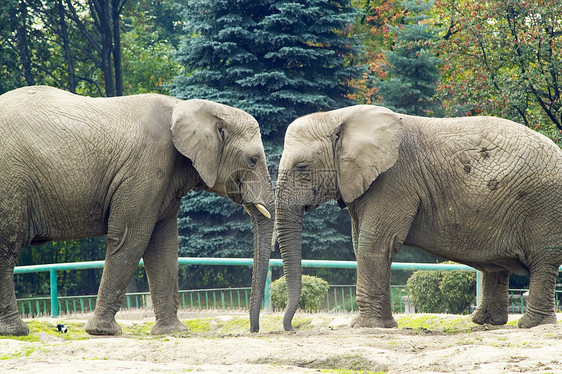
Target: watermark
314,186
307,187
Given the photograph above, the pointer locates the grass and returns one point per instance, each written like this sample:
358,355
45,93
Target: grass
448,324
240,324
23,353
75,331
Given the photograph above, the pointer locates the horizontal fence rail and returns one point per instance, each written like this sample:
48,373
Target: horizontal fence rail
338,298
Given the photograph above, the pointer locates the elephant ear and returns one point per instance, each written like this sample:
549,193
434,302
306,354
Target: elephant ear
366,145
197,134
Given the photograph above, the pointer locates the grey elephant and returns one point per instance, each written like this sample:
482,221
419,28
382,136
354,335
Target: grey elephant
482,191
75,167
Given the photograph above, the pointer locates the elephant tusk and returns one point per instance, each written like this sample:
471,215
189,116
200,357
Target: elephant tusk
247,210
263,210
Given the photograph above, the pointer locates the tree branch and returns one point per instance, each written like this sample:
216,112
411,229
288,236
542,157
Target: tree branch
74,16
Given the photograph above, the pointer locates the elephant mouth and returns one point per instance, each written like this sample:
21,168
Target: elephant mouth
310,208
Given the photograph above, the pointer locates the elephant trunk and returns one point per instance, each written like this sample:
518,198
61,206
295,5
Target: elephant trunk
263,234
289,237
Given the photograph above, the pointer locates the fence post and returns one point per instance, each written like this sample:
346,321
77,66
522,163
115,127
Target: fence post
478,287
267,305
54,293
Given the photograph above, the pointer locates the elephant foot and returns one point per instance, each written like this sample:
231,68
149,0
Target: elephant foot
373,322
98,325
532,319
14,327
483,316
168,327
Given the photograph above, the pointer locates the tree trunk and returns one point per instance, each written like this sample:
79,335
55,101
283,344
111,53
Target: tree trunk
117,5
102,9
21,34
66,47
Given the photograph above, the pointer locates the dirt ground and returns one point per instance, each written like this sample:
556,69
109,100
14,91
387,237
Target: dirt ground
220,343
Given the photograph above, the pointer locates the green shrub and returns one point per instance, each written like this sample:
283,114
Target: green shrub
313,290
442,291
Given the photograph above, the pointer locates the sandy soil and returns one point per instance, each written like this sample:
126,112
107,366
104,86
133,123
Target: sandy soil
323,343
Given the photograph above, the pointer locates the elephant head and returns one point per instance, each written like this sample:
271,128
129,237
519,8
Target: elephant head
330,155
225,147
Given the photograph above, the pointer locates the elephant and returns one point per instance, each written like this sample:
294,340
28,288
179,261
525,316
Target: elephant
73,167
482,191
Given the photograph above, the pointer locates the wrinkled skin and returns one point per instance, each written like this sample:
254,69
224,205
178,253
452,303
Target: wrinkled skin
75,167
482,191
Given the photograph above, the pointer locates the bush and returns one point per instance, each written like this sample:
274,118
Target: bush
313,290
442,291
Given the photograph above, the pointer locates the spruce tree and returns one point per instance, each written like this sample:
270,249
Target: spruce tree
277,60
412,72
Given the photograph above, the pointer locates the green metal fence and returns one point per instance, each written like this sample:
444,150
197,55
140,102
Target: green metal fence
338,298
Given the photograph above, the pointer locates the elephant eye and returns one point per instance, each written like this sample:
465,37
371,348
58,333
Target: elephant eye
221,132
253,161
303,169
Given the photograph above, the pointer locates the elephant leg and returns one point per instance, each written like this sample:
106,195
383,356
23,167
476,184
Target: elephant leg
373,292
374,253
125,247
13,216
540,305
10,321
377,237
494,300
161,264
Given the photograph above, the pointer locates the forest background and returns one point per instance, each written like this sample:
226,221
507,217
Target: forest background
279,60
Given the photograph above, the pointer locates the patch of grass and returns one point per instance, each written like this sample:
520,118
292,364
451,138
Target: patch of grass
344,364
445,324
137,329
235,325
512,323
199,324
24,353
301,322
75,331
466,341
271,323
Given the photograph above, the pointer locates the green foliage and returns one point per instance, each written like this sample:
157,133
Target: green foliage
62,44
442,291
503,58
70,282
147,46
410,254
313,291
424,288
411,77
275,59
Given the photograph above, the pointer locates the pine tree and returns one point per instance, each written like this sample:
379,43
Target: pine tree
277,60
412,73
